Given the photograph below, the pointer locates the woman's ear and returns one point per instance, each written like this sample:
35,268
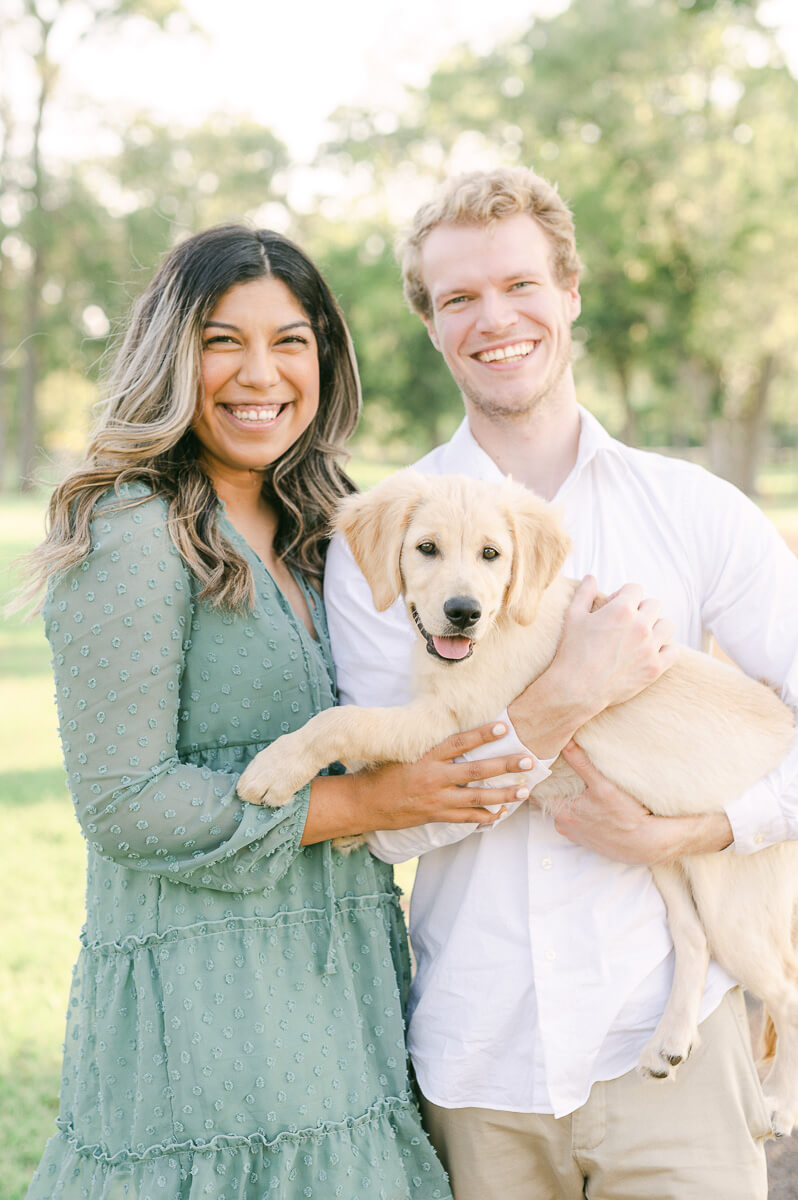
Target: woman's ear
375,524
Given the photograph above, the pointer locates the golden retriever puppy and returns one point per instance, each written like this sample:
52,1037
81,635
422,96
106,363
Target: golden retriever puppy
478,567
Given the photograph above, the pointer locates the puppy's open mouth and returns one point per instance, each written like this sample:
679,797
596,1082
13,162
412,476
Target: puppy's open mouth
450,649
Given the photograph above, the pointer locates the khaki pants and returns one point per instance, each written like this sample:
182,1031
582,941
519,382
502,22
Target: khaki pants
696,1137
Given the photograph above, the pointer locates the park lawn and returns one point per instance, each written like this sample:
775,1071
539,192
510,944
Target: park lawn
42,862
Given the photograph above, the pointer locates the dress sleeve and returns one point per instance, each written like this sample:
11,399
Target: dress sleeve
750,585
118,626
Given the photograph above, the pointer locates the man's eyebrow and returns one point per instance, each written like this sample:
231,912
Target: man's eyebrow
443,292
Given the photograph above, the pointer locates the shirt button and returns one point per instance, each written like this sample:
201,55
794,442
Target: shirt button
546,864
550,955
759,839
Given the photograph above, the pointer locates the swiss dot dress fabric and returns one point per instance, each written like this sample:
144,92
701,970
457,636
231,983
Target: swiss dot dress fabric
235,1025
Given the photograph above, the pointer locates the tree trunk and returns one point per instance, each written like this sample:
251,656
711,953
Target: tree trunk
30,331
630,434
735,445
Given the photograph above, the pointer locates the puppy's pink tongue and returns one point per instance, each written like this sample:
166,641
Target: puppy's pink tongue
452,647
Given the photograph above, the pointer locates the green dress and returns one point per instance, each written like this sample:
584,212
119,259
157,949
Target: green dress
235,1024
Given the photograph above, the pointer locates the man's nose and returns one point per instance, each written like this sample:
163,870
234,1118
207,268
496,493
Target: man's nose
496,312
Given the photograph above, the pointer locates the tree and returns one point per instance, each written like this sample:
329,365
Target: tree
39,21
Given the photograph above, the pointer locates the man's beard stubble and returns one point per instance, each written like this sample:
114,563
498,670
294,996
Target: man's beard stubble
523,407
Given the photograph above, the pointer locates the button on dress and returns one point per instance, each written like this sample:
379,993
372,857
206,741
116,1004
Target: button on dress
235,1024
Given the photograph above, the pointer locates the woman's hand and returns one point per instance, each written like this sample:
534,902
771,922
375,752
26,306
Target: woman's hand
402,795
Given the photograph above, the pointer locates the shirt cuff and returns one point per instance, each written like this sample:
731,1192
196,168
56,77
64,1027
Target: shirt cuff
757,819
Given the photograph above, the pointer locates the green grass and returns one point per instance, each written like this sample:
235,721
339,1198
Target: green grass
42,860
42,864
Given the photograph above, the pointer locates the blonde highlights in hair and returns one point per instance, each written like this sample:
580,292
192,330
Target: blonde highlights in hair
152,396
480,198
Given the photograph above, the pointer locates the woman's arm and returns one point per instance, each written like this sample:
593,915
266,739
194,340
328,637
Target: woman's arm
405,796
118,625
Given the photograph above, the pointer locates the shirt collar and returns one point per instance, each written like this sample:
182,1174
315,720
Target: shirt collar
467,456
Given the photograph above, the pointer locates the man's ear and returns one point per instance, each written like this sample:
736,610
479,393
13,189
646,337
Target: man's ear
540,547
433,336
375,524
574,299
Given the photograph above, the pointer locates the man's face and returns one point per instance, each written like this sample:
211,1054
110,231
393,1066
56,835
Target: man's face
499,317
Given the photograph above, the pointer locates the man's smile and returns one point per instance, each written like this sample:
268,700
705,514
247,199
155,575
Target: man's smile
515,352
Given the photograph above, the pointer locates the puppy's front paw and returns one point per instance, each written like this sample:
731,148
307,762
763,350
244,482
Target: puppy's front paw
268,780
345,845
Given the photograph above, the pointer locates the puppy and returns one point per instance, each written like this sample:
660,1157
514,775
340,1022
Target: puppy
478,567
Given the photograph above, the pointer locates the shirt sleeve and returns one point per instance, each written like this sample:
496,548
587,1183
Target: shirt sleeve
373,660
749,605
118,625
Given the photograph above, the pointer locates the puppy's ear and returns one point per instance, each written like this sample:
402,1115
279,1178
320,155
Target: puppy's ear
375,524
540,547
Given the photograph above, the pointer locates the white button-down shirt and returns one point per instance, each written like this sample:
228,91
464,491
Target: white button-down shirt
543,967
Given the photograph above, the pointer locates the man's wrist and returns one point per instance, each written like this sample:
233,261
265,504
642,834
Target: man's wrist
707,833
548,713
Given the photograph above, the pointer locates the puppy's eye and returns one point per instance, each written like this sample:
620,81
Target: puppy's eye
490,552
428,548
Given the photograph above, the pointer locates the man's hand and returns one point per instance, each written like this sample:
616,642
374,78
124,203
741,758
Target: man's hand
604,657
613,823
609,654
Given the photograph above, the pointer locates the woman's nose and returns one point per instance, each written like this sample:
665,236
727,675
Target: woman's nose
259,368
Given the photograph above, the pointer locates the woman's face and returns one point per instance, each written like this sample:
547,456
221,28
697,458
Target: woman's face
260,378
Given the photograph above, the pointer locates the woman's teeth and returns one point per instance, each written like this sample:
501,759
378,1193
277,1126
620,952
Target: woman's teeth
255,415
504,353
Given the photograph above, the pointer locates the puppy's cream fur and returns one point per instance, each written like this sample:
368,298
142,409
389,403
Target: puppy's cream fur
690,742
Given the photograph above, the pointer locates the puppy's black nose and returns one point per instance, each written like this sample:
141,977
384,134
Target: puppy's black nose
462,611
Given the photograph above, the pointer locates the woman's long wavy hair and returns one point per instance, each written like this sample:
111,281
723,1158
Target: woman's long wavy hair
153,392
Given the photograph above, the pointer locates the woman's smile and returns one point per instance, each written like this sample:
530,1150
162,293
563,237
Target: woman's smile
260,377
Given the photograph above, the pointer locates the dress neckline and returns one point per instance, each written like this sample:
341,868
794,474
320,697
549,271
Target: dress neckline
311,597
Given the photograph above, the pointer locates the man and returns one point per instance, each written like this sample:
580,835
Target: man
544,959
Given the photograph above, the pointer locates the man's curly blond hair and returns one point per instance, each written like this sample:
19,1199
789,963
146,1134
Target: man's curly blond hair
479,198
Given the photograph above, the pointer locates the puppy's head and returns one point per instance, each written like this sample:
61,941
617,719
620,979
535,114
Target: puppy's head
460,551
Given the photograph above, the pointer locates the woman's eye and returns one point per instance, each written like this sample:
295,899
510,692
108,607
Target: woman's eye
292,339
490,552
219,339
428,548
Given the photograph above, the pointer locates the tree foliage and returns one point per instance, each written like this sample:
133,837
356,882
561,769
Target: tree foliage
663,121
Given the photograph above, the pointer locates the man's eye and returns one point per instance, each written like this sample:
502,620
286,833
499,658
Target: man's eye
490,552
428,548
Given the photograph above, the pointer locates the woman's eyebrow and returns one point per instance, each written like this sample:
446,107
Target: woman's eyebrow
281,329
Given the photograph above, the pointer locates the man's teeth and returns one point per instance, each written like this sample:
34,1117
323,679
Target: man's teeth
503,353
256,415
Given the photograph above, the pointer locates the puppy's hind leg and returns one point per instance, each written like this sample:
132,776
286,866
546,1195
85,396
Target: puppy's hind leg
677,1031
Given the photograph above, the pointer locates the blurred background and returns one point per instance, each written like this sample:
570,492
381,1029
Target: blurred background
671,127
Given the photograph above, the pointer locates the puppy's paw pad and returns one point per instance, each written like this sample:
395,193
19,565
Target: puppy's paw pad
662,1055
782,1120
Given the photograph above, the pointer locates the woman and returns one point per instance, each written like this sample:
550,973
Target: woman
235,1024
